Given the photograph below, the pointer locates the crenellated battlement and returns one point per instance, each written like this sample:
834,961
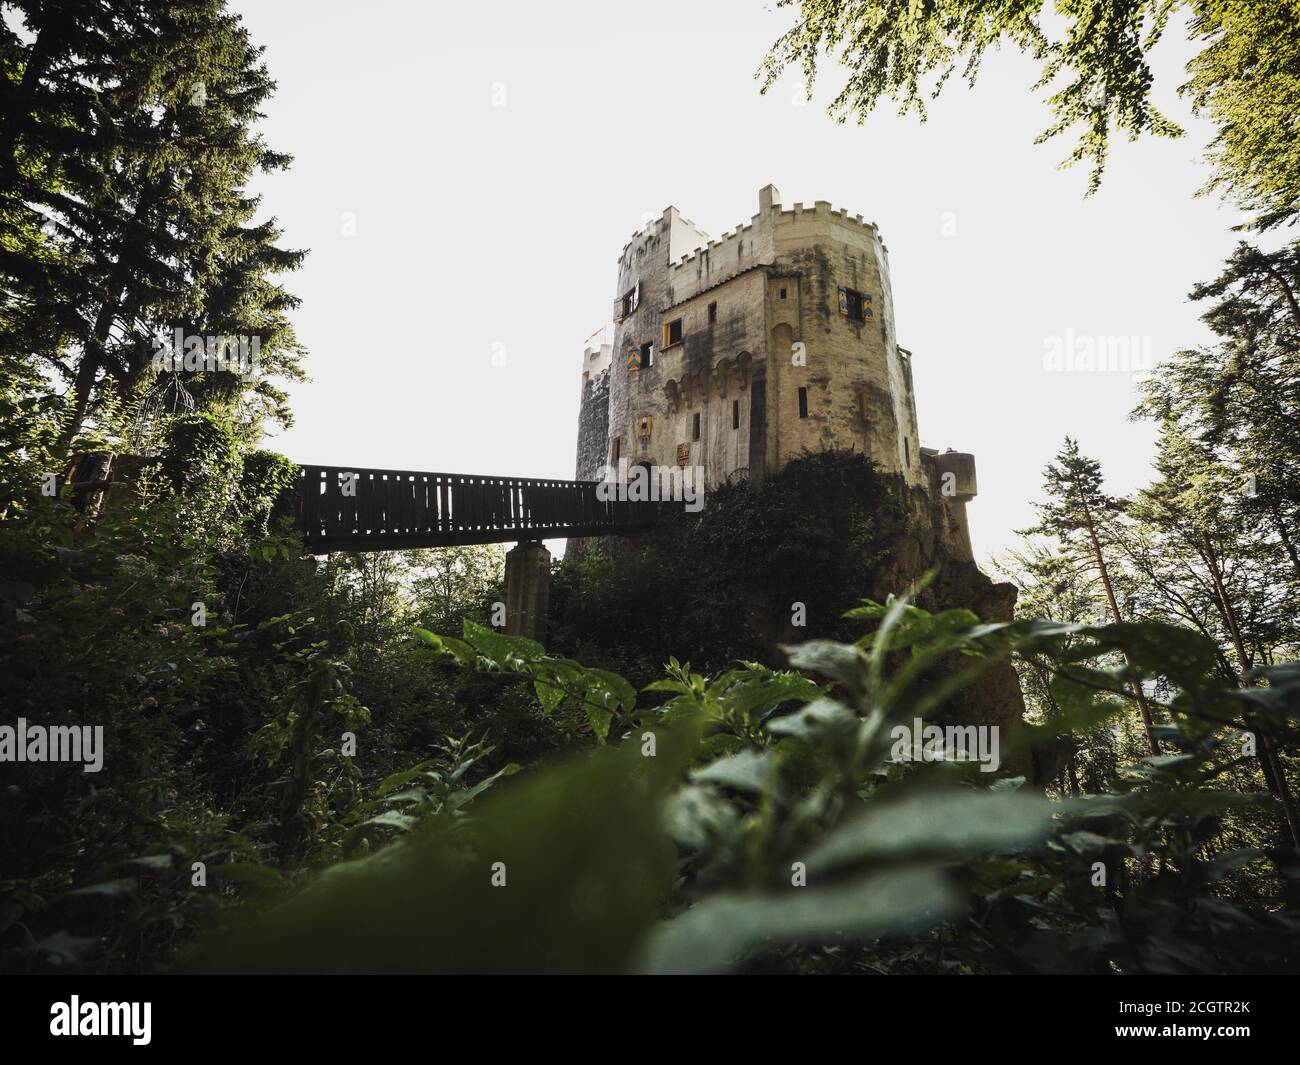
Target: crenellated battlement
824,211
728,238
659,229
798,213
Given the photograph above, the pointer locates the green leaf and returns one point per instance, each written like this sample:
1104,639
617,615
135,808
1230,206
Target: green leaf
107,889
623,693
1086,843
458,649
510,653
394,781
841,662
724,929
587,866
555,679
1156,648
1225,863
754,691
698,816
416,795
943,824
815,720
151,861
457,799
748,771
666,686
915,626
392,819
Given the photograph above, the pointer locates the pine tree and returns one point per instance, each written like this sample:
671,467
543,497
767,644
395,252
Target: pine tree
1213,562
1058,587
1222,517
1074,509
128,149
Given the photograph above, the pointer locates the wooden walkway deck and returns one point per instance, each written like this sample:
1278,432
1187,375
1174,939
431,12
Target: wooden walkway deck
351,509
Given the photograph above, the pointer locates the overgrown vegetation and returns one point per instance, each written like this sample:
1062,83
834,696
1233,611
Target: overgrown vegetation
816,537
756,821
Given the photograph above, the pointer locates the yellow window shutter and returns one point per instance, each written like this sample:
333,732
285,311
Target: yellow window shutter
665,343
844,301
867,314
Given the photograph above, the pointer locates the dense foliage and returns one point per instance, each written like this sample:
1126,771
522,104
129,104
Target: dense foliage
752,819
756,820
747,573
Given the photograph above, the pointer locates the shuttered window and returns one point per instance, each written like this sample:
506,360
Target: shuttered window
855,305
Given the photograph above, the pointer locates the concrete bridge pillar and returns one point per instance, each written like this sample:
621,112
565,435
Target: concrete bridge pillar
528,589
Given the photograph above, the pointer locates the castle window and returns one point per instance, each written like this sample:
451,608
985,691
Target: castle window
629,303
803,403
614,449
672,332
695,426
907,453
855,305
647,355
713,313
735,414
782,296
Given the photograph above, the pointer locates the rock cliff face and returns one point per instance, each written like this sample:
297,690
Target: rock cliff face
924,543
912,535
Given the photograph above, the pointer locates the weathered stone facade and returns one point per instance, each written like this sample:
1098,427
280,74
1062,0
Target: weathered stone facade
593,413
739,354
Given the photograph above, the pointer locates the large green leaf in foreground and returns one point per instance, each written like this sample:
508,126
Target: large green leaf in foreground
587,868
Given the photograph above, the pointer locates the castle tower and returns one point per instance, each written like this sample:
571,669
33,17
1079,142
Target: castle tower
741,353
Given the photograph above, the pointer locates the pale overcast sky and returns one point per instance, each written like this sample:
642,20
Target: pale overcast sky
479,225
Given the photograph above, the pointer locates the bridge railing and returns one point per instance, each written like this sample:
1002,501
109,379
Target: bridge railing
342,507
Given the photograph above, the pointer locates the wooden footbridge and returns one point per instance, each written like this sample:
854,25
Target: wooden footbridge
342,508
347,509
